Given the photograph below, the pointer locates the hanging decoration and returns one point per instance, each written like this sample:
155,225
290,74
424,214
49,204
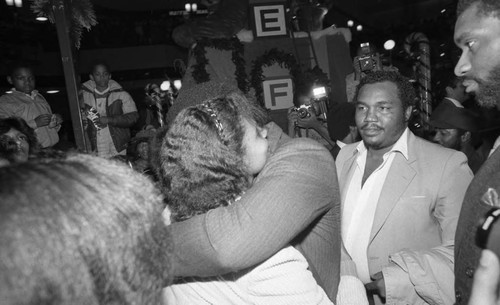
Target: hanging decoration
199,71
421,56
270,57
82,15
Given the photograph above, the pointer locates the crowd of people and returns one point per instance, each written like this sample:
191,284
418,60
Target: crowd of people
213,203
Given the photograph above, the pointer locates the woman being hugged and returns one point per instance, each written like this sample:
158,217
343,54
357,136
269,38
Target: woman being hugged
209,157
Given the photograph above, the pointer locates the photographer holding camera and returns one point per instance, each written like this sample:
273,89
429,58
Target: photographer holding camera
306,118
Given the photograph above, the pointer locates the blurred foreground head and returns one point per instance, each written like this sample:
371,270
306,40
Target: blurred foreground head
81,230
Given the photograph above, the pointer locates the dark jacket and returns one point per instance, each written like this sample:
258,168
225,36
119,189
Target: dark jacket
474,208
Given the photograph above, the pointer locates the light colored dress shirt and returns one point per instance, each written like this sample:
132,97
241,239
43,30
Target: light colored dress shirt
361,203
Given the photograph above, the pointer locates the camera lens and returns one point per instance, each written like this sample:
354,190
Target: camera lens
303,113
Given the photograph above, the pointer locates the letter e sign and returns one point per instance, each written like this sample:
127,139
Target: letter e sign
269,20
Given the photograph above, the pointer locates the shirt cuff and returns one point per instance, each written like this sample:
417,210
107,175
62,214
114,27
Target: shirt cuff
397,284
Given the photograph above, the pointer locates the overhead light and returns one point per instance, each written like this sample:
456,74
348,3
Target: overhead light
359,28
41,18
18,3
389,44
443,11
165,85
442,54
9,2
187,7
52,91
177,84
350,23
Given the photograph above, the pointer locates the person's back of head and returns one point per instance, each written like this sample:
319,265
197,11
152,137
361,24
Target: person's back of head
81,230
201,155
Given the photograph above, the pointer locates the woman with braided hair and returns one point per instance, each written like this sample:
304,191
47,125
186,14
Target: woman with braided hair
208,157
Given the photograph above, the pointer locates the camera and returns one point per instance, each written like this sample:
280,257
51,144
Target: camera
303,111
367,61
488,232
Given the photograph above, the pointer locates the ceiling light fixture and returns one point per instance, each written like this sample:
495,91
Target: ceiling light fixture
41,18
18,3
9,2
165,85
389,44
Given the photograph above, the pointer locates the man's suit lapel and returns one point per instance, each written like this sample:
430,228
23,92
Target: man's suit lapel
398,178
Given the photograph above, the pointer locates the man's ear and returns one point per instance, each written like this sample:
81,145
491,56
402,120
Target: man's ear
466,137
91,77
110,76
408,112
9,80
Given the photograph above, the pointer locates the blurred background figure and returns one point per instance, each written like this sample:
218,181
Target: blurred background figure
17,140
455,92
81,230
307,118
342,126
456,128
27,103
112,112
138,152
157,103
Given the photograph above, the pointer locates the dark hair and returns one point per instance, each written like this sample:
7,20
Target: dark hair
99,62
201,156
406,92
302,89
484,7
21,126
133,144
82,230
20,64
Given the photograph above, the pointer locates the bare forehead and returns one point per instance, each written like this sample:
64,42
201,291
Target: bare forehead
100,69
472,22
22,71
381,89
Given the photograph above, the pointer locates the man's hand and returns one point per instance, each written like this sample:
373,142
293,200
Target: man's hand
292,116
486,280
377,286
55,120
59,119
43,120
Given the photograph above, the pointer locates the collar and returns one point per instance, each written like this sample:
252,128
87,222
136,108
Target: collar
101,94
400,146
32,96
455,102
